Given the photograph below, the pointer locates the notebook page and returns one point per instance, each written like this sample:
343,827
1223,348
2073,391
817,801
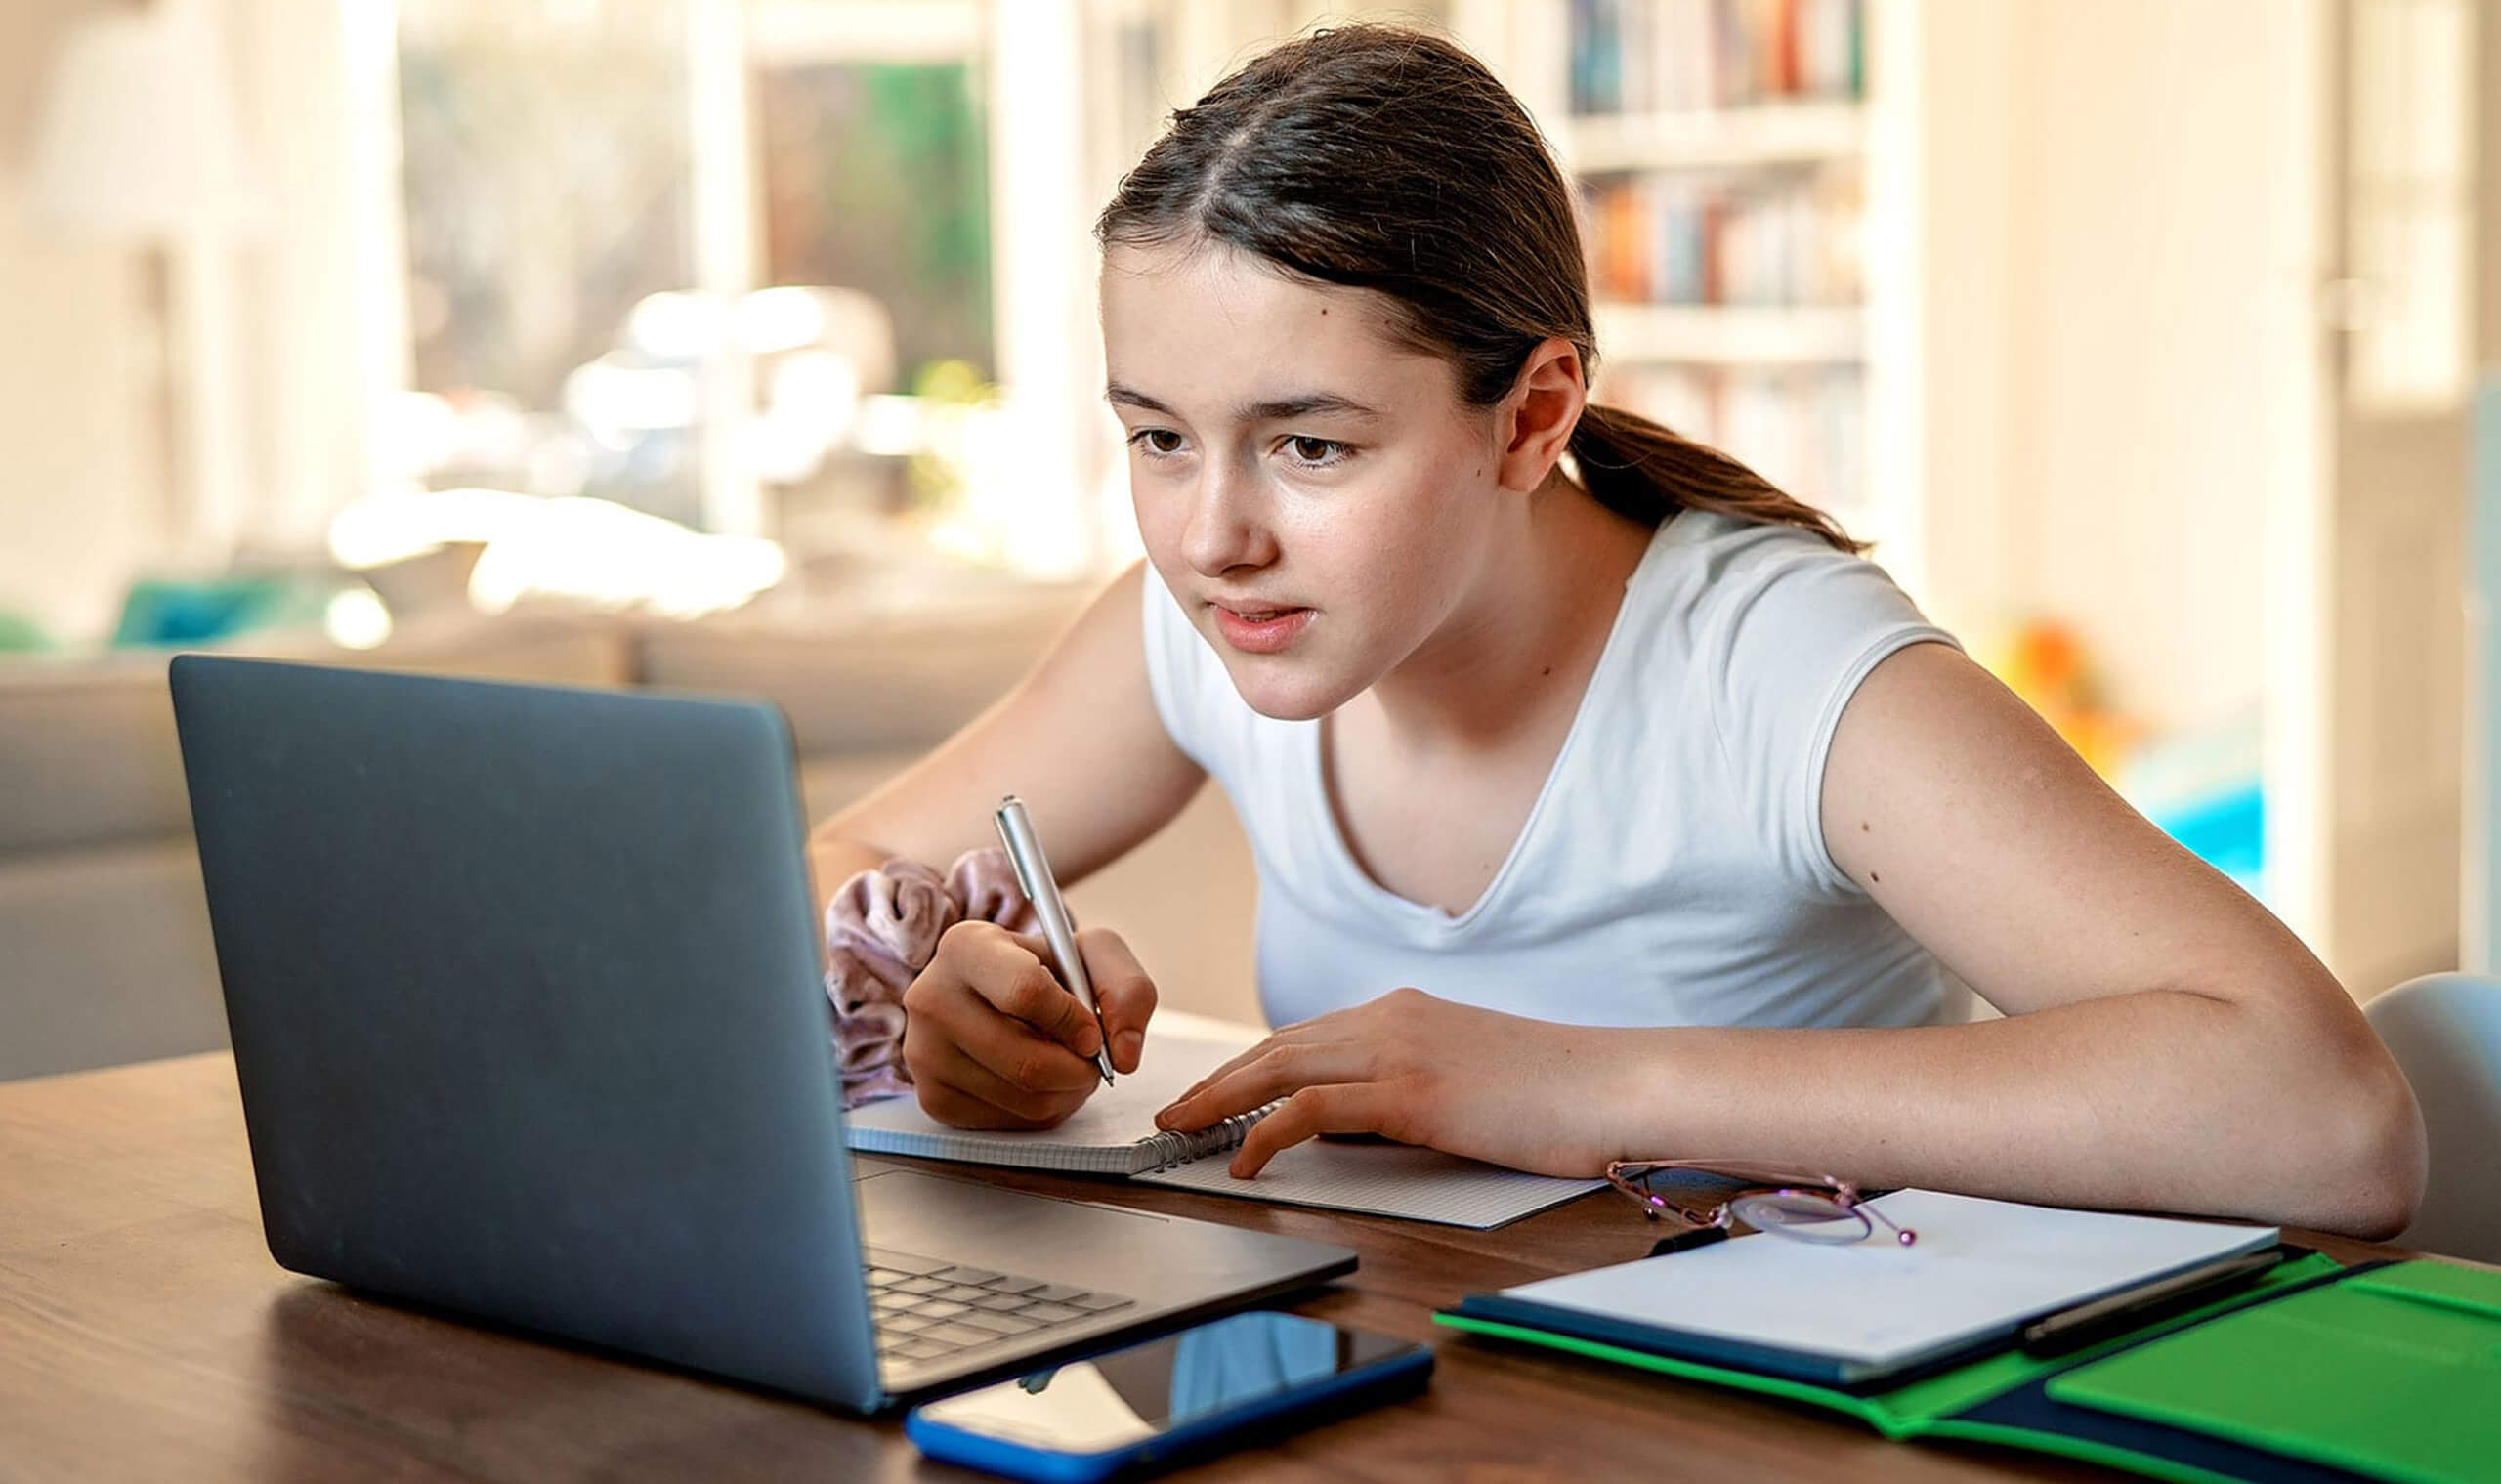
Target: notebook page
1383,1180
1101,1138
1980,1267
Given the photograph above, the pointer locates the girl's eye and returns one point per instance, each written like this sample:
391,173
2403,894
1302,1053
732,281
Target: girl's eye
1160,441
1316,453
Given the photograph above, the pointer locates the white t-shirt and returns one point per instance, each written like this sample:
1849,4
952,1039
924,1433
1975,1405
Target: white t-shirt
1672,871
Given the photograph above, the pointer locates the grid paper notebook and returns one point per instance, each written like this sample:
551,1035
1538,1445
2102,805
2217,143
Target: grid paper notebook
1114,1134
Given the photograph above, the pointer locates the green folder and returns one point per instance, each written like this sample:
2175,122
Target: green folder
2392,1374
2313,1372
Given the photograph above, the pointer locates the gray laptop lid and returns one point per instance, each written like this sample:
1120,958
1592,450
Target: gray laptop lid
485,1068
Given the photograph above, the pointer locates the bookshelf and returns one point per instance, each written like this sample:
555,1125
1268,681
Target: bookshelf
2088,330
1723,150
1757,133
1731,334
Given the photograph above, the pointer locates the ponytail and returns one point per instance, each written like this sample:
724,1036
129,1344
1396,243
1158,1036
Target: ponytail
1647,473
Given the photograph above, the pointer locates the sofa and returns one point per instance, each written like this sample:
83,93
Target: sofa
106,955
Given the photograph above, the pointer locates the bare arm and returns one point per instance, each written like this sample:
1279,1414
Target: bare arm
2168,1044
1079,740
990,1037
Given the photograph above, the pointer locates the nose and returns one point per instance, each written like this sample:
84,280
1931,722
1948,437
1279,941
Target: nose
1228,528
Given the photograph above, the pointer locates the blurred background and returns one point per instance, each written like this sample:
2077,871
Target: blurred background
749,345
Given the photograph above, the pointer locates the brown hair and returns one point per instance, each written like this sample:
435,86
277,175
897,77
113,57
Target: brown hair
1387,159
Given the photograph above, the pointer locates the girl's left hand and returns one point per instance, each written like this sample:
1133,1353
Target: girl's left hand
1418,1070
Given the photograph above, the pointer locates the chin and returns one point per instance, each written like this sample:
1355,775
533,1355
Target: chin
1281,693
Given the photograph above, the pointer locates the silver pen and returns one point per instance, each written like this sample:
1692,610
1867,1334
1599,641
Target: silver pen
1034,875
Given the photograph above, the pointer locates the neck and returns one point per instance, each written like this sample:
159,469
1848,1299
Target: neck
1523,642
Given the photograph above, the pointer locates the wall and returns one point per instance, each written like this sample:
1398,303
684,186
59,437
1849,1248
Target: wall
2157,288
325,293
1941,311
2103,253
87,495
82,489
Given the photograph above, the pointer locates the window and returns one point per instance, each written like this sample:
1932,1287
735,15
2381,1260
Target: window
2409,174
812,269
545,169
727,262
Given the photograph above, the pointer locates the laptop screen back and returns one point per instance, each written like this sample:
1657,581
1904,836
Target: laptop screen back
523,985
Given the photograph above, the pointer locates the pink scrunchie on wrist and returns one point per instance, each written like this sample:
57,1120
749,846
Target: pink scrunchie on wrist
881,931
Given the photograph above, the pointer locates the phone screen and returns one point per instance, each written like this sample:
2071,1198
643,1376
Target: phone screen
1134,1394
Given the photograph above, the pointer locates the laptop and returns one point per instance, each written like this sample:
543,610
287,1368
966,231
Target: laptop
524,987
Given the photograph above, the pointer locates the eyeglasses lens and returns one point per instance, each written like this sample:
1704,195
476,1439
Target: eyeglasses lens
1802,1214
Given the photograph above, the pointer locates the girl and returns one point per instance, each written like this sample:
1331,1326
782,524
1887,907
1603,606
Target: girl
1605,803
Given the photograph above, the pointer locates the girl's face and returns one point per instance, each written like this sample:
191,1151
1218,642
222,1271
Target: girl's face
1314,492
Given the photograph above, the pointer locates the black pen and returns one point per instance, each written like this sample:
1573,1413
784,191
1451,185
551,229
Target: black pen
1688,1240
2098,1319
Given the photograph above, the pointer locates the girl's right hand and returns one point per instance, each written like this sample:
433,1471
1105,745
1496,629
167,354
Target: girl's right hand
992,1040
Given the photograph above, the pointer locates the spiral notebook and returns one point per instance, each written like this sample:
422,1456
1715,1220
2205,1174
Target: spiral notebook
1114,1134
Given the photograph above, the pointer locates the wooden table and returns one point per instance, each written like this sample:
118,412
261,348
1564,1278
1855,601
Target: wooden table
146,1334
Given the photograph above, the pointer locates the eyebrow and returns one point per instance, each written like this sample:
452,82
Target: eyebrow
1274,410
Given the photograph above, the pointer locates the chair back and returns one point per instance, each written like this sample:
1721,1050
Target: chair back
2444,1030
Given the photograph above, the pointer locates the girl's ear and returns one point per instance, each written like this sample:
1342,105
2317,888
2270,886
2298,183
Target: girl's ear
1536,420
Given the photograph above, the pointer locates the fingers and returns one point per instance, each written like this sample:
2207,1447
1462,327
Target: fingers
970,1095
1301,1033
1350,1030
1010,1050
959,1110
1264,1074
1232,1066
978,1039
1186,1110
1122,991
1012,973
988,1056
1337,1108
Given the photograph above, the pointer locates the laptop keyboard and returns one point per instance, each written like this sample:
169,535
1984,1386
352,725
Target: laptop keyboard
927,1309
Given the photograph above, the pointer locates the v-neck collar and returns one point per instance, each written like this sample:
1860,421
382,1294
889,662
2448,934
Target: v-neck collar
1424,916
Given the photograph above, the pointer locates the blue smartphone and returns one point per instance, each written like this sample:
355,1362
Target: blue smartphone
1244,1378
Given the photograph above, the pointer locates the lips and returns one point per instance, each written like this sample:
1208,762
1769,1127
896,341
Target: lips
1263,629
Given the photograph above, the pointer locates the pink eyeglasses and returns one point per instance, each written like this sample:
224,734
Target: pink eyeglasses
1804,1208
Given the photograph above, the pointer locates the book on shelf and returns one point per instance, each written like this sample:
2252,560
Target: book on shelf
1684,55
1802,428
1761,237
1723,197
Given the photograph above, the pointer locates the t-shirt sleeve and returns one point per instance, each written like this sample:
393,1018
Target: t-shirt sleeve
1179,668
1790,628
